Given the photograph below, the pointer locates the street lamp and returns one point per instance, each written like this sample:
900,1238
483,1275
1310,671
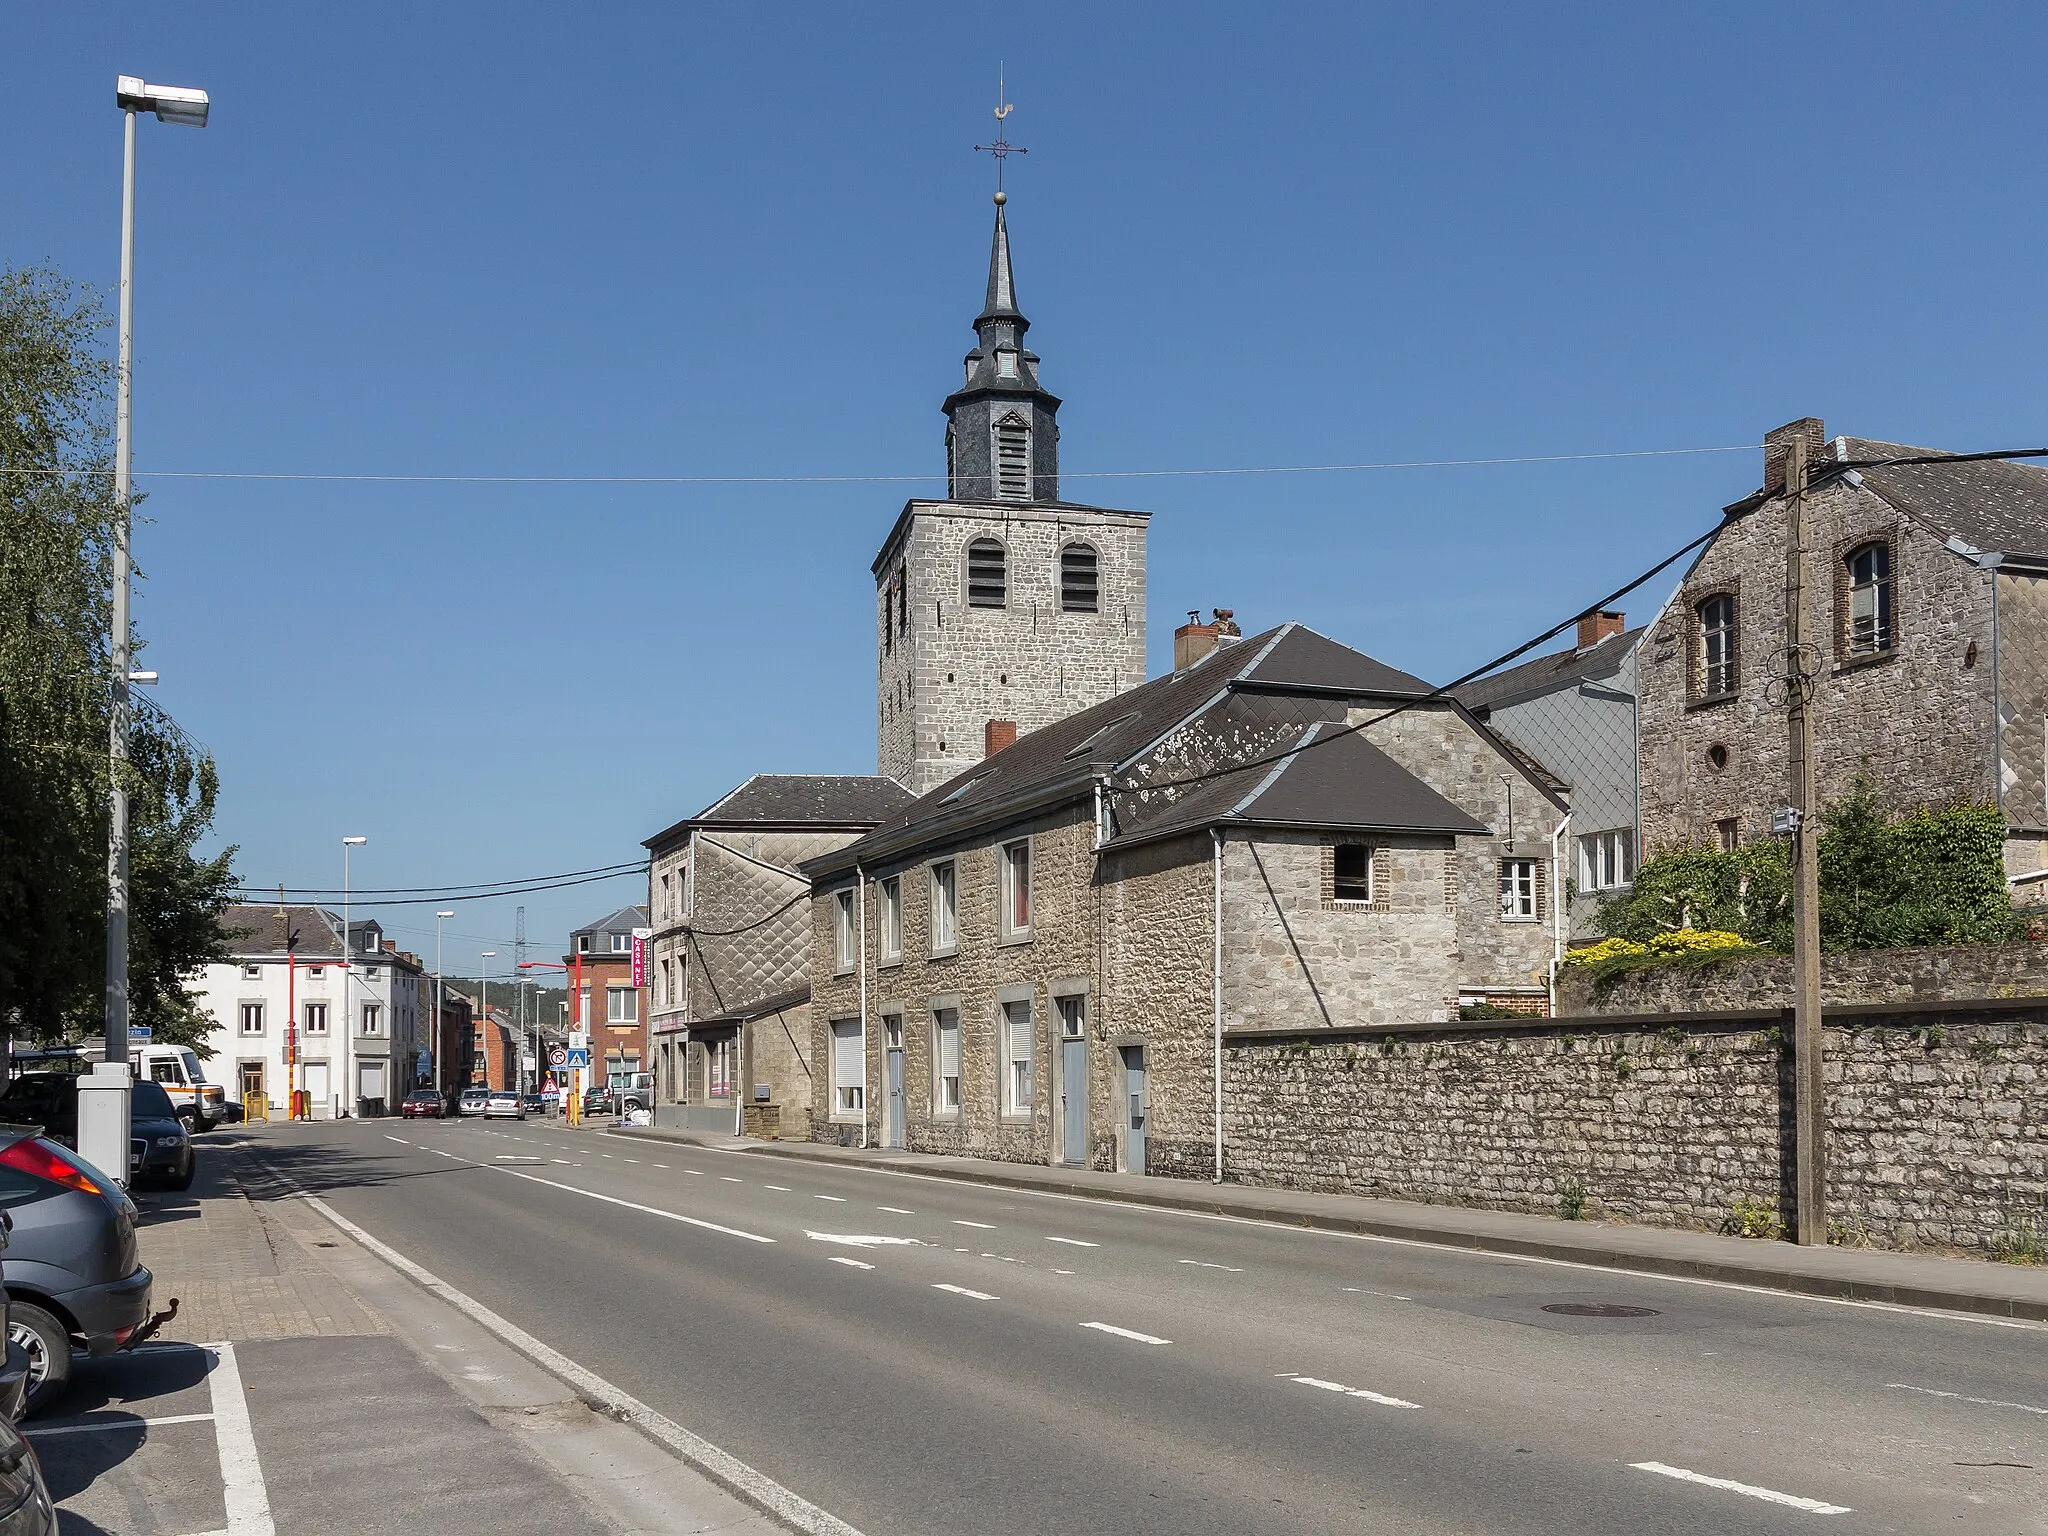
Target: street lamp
102,1122
348,958
489,956
438,917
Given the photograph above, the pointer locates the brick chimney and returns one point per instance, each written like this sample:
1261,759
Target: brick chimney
996,735
1194,639
1809,427
1595,627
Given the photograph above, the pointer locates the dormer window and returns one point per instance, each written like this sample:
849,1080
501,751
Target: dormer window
988,581
1079,588
1012,451
1006,365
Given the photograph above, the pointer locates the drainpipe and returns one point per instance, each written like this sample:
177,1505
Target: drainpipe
860,907
1098,816
1557,907
1216,991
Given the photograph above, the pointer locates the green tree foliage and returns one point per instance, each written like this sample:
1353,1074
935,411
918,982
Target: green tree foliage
1927,876
57,523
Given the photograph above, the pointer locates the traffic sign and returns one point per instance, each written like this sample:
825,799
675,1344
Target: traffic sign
579,1040
558,1057
138,1031
577,1058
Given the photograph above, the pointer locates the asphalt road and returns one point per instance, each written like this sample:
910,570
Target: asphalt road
924,1358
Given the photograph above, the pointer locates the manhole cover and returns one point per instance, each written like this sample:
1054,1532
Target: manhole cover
1598,1309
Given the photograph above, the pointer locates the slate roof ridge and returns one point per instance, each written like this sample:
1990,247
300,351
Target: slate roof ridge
1550,671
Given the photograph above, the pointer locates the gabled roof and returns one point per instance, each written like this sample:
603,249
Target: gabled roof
254,928
1301,658
797,799
625,920
1550,674
1992,505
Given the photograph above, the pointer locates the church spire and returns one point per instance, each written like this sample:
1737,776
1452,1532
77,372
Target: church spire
1002,441
1002,286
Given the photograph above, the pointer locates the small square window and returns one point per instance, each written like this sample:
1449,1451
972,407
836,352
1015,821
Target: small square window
1518,890
252,973
621,943
1351,872
1728,834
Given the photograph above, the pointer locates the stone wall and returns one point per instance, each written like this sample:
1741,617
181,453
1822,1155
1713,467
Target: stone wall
1919,717
1938,1127
1964,971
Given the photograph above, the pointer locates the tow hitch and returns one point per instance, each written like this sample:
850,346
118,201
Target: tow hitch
148,1330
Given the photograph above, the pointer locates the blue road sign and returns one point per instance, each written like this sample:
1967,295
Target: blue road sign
579,1058
139,1032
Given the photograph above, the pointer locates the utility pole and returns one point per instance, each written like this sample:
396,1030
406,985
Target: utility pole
1802,669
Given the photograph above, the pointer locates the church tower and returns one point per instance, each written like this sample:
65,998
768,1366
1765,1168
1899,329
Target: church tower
1002,608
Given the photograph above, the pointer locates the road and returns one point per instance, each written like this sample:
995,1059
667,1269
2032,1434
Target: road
924,1358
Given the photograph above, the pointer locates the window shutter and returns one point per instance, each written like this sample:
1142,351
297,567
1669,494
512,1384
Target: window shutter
846,1062
987,574
949,1044
1079,587
1013,459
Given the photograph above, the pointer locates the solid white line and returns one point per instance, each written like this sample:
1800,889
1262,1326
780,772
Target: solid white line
841,1199
1359,1290
986,1226
1338,1386
780,1189
895,1210
1981,1402
1770,1495
399,1139
1203,1264
241,1473
961,1290
789,1507
1073,1242
1125,1333
106,1424
840,1258
634,1205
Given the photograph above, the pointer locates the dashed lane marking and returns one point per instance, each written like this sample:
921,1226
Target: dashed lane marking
1203,1264
1337,1386
986,1226
1957,1397
1359,1290
1073,1242
839,1199
1126,1333
634,1205
726,1178
399,1139
1750,1490
961,1290
895,1210
840,1258
780,1189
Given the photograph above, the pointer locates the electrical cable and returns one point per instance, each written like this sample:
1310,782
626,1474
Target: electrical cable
427,901
483,886
759,922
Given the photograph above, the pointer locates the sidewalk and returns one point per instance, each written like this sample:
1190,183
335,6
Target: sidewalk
307,1387
1857,1274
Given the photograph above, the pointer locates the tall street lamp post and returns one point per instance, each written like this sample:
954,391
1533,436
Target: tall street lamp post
438,1031
103,1115
348,959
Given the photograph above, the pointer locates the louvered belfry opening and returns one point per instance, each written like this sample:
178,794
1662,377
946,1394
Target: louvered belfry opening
1013,459
988,582
1080,589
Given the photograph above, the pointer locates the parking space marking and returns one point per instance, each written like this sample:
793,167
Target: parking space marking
241,1473
1768,1495
101,1426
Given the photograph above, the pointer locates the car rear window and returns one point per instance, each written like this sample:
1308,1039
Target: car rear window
152,1103
40,1097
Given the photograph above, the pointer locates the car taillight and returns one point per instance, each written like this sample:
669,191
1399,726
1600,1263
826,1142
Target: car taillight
46,1162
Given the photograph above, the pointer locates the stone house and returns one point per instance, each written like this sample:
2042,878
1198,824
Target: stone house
1574,712
1929,585
728,961
1037,960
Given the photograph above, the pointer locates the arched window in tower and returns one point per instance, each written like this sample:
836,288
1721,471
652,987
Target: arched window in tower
1079,586
988,577
1012,450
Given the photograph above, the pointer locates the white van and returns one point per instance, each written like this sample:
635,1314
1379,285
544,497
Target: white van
174,1068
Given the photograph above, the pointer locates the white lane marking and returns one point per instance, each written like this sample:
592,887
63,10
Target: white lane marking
1073,1242
764,1492
1063,1271
961,1290
662,1166
100,1426
564,1160
399,1139
1125,1333
1359,1290
634,1205
1338,1386
863,1240
780,1189
841,1199
607,1155
725,1178
632,1159
694,1173
1769,1495
241,1473
986,1226
895,1210
1981,1402
1203,1264
840,1258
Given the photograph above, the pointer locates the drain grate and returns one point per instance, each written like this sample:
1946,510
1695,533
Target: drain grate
1599,1309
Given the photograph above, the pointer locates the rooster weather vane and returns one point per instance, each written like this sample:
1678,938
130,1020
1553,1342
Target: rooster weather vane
1002,149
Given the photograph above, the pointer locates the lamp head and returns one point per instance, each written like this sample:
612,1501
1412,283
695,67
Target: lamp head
444,914
182,104
353,842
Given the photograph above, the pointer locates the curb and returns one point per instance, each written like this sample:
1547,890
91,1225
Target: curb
1249,1207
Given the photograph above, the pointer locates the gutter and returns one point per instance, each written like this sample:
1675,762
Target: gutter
1559,901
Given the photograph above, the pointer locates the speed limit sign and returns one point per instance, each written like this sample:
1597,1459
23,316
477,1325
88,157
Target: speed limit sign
558,1057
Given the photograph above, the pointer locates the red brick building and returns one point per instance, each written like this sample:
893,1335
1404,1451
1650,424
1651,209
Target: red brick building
610,1007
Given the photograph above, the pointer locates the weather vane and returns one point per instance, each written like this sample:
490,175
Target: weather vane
1002,149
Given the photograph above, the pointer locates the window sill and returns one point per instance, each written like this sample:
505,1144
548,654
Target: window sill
1350,904
1010,940
842,970
947,1116
1711,700
1018,1117
1525,921
889,963
952,952
1856,661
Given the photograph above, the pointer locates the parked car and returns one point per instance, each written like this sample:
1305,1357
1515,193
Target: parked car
423,1102
14,1365
25,1505
597,1101
632,1090
472,1101
72,1269
536,1103
504,1104
159,1147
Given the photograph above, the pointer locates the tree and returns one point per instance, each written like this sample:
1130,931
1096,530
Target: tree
57,525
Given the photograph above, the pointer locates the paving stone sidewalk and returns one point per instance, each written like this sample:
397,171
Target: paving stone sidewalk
1856,1274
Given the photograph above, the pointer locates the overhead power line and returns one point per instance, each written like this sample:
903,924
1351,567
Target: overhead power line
259,897
483,887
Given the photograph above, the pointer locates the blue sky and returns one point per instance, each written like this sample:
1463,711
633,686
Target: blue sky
670,240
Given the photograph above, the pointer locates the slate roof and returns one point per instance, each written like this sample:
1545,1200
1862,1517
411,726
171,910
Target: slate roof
1990,504
254,928
625,920
1548,674
759,1010
1244,700
799,799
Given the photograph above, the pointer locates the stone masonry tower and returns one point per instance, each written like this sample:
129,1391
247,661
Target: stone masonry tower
1002,608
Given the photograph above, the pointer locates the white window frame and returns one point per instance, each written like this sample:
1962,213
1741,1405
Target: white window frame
314,1020
252,973
721,1067
372,1020
611,1005
1518,891
944,885
845,936
849,1090
248,1011
1018,1038
1607,860
946,1086
1719,655
1008,856
1870,599
622,943
889,896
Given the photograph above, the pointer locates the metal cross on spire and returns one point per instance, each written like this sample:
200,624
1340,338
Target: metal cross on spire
1002,149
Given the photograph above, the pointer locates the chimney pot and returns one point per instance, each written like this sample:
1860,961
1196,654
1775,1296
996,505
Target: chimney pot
996,735
1194,639
1595,627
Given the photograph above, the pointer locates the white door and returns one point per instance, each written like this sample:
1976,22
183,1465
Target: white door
317,1103
370,1076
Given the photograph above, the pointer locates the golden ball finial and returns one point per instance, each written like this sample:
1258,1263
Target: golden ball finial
1002,198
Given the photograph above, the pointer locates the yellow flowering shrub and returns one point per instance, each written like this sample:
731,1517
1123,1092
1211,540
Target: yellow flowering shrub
1679,941
1606,949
